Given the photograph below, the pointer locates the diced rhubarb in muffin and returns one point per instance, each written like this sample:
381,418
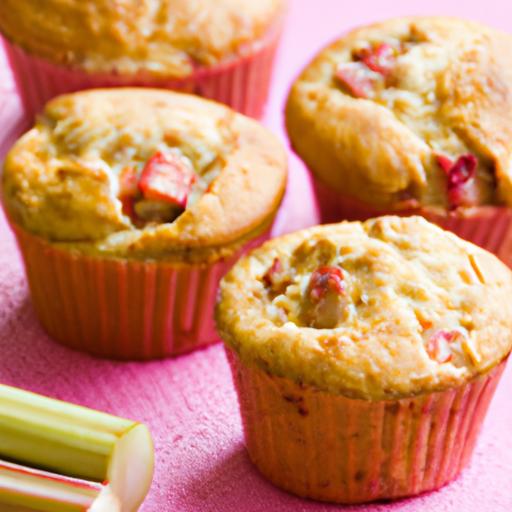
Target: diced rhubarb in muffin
128,190
460,180
357,79
438,345
380,309
384,102
167,178
325,299
147,173
158,190
323,288
276,278
161,191
378,66
379,58
368,72
453,346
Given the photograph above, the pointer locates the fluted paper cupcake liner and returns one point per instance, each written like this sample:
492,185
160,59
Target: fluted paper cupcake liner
332,448
241,83
122,309
489,227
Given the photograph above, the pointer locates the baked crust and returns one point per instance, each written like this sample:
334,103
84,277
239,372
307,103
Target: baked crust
405,281
450,94
169,38
61,179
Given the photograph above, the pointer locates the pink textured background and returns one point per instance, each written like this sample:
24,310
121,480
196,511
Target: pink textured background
189,403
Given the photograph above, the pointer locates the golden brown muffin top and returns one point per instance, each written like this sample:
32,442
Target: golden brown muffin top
410,112
388,308
144,173
158,37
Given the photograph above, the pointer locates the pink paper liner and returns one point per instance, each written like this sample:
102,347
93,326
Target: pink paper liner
122,309
332,448
241,83
489,227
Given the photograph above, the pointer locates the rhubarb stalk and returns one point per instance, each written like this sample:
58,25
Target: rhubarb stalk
78,442
26,490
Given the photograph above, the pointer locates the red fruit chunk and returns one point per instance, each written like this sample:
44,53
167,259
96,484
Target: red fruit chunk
271,274
128,182
463,195
128,207
460,175
324,280
275,278
438,346
463,170
380,58
166,178
445,163
325,303
355,78
128,190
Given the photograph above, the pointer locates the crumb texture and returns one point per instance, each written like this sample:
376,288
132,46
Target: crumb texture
168,38
387,308
142,173
409,112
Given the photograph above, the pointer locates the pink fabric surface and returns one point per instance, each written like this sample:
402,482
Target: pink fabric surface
189,403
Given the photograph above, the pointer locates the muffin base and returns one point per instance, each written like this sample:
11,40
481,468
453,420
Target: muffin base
122,309
241,83
489,227
332,448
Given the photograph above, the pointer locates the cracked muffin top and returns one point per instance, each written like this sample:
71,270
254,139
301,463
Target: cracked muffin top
388,308
410,113
155,37
144,173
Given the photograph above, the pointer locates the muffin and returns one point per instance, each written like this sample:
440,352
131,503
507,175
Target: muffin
222,49
411,116
365,355
128,206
